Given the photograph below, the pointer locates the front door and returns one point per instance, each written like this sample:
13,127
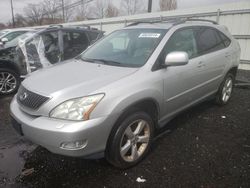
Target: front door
181,83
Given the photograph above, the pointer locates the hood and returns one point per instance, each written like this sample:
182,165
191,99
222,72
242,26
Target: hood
74,78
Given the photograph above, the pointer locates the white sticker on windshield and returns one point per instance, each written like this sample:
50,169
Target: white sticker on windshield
149,35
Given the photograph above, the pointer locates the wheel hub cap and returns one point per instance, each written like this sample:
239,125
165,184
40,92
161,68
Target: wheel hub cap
7,82
227,90
135,140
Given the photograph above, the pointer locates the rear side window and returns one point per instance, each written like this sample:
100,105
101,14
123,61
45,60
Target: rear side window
93,36
225,39
209,41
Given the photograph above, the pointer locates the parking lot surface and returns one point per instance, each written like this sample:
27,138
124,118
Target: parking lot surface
206,146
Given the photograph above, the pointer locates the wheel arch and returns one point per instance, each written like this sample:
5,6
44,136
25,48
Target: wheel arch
233,70
148,105
9,65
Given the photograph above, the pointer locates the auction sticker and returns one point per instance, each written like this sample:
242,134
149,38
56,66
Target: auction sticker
149,35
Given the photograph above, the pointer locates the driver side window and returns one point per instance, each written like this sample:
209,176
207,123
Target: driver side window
182,40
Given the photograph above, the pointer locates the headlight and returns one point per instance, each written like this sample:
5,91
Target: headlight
78,109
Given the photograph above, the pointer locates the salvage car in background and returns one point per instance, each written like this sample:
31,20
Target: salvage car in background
42,49
10,34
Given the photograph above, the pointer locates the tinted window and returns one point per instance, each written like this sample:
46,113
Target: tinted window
93,36
74,43
183,40
209,41
225,39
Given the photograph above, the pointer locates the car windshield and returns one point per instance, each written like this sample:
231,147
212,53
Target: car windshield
22,37
3,32
128,47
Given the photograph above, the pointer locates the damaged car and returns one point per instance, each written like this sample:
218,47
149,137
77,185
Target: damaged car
41,49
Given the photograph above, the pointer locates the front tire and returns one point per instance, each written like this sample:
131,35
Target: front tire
130,140
224,93
9,81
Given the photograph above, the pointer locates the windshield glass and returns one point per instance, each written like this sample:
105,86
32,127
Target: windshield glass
3,32
128,47
21,38
12,35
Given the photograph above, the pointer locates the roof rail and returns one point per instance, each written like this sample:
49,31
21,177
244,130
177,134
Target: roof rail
154,21
83,25
175,21
140,22
56,26
202,20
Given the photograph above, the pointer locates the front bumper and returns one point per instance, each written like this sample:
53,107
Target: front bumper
51,133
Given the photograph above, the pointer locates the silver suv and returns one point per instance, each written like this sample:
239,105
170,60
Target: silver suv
110,100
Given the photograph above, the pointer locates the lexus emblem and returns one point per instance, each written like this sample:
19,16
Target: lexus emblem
23,96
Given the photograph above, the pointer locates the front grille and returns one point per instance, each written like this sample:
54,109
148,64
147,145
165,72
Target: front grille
30,99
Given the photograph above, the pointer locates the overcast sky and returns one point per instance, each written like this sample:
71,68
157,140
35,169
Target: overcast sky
5,13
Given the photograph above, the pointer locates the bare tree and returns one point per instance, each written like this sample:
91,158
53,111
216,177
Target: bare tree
2,26
131,7
82,11
111,10
51,8
166,5
20,21
34,13
99,8
68,12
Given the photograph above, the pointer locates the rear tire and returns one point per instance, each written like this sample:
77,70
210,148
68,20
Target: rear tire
224,93
9,81
130,140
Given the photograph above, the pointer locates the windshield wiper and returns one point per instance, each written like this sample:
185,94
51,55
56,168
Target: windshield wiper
108,62
86,59
102,61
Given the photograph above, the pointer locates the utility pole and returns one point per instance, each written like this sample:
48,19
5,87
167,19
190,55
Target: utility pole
149,5
12,12
63,10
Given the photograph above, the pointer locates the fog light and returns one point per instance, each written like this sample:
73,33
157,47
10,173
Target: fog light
74,145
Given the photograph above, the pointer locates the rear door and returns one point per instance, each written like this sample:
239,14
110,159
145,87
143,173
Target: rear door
212,48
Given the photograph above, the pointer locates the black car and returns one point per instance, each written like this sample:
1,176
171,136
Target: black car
42,49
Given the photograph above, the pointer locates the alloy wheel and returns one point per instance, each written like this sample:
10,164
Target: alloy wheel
135,140
227,89
8,82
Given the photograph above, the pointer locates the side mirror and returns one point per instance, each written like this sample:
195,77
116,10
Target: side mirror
176,59
4,40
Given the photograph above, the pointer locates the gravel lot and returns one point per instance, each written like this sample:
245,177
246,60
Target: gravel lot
206,146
